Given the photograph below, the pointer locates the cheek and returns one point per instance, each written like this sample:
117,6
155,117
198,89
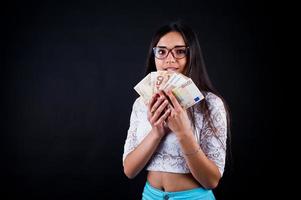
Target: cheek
159,64
182,63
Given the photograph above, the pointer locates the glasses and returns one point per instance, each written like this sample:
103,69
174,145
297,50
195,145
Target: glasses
177,52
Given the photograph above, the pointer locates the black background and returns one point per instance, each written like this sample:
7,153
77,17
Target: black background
67,77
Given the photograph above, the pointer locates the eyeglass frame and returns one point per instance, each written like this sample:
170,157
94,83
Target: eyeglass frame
170,51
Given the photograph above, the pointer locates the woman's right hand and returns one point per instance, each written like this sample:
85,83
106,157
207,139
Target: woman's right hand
157,113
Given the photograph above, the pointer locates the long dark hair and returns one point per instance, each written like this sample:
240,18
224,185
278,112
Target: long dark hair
195,69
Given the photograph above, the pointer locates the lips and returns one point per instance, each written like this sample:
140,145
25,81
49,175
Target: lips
171,68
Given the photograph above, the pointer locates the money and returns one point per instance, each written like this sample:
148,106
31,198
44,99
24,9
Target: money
144,88
159,79
184,89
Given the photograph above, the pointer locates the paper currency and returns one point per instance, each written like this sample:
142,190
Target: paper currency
159,79
181,86
188,94
144,88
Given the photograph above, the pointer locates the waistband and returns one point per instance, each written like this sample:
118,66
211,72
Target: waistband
196,192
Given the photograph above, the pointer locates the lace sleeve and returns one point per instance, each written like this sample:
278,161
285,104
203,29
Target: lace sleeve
131,140
214,143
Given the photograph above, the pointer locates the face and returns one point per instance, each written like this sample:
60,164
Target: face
169,63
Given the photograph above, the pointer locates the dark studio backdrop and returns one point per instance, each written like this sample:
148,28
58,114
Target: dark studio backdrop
67,77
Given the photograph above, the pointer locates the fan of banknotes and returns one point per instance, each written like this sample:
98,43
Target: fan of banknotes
181,86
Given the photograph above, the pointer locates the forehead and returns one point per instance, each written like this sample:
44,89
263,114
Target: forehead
171,39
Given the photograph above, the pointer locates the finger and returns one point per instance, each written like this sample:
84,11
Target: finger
167,97
157,104
174,101
159,110
163,117
153,100
172,109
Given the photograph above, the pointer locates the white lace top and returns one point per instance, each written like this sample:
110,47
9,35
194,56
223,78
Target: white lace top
169,157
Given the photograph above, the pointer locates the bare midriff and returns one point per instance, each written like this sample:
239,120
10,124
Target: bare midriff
171,182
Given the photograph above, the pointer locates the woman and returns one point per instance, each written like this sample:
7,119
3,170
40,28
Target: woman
183,150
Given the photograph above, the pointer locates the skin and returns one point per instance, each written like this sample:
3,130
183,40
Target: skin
203,171
169,41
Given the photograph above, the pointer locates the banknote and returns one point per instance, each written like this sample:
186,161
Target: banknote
145,89
181,86
159,79
174,81
187,94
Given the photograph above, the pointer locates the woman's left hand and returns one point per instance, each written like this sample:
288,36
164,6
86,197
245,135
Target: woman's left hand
178,120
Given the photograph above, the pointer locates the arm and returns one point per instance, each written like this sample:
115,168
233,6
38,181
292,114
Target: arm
138,158
203,169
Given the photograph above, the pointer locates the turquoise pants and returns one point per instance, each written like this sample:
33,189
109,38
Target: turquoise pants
151,193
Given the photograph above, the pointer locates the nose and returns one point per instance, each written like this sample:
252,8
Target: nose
170,58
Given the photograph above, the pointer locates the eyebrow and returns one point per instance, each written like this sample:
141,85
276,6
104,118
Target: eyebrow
173,47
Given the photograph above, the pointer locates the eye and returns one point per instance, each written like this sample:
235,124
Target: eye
180,51
161,51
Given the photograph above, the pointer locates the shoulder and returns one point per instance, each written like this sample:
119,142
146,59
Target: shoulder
214,101
139,104
139,110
